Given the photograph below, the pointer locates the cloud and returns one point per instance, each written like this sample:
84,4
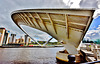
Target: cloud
72,3
98,27
96,13
36,34
89,3
82,3
6,7
93,34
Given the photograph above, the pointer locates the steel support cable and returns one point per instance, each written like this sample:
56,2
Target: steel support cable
47,41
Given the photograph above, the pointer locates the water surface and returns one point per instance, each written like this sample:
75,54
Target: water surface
28,55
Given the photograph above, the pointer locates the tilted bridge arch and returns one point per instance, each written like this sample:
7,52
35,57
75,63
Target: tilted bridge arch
65,25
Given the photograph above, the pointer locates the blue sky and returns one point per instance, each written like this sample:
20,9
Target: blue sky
95,23
94,30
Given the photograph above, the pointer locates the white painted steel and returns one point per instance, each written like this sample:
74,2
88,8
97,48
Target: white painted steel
66,25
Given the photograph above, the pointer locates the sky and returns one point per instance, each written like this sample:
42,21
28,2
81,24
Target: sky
7,6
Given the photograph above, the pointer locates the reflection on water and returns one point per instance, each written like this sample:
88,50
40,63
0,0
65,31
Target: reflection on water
28,55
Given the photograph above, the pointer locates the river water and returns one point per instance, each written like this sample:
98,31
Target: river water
28,55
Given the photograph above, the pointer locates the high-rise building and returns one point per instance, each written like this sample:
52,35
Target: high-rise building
21,40
26,39
29,40
4,36
12,38
17,41
2,32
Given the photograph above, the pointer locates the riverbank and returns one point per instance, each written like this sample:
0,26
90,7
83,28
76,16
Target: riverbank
35,46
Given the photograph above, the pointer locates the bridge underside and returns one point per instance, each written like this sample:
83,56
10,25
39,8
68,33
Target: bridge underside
66,25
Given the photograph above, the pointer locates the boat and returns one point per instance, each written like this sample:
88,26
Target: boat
68,26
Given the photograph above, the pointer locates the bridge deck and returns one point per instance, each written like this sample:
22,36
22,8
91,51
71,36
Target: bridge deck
66,25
